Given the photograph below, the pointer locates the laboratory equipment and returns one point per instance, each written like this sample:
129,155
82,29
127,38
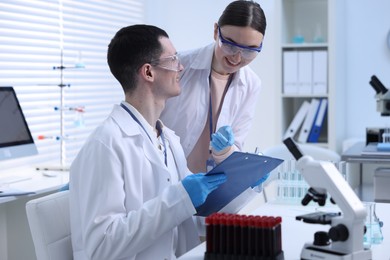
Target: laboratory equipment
233,236
344,240
382,96
373,234
15,136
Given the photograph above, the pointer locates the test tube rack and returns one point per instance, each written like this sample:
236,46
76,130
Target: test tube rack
243,237
292,187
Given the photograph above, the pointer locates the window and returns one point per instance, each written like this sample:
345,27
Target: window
35,37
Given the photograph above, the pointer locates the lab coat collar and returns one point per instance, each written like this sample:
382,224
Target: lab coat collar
130,128
127,123
203,59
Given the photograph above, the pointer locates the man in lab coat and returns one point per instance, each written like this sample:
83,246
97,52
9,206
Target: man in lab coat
131,193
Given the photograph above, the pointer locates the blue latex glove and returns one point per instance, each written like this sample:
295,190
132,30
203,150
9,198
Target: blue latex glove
223,138
263,179
199,186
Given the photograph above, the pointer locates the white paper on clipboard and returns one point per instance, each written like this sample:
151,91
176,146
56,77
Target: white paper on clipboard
242,170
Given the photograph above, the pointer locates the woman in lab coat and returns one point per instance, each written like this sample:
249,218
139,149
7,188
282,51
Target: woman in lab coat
131,193
217,80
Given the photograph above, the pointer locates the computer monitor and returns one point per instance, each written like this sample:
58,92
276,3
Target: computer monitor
15,136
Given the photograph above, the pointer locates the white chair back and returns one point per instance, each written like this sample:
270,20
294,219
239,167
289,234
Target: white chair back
49,221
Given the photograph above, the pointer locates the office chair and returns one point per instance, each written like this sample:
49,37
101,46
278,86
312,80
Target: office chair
281,151
49,221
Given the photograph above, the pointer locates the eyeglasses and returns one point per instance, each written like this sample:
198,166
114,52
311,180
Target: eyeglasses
231,48
169,63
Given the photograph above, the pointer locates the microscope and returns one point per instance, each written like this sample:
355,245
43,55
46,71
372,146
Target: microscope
344,240
382,96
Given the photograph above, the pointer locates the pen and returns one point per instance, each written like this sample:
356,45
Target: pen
257,151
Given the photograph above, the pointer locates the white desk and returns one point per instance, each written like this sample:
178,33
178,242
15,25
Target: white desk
355,159
15,238
295,233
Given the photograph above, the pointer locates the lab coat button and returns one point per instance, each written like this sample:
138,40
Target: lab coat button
168,180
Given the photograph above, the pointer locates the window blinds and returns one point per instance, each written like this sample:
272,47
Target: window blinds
37,36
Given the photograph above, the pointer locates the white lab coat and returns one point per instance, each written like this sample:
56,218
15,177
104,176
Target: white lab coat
187,113
122,203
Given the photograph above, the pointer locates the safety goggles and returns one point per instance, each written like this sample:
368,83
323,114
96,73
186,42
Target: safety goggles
169,63
231,48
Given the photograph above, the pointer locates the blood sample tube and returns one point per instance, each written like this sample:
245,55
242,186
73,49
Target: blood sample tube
259,236
244,236
222,234
278,231
230,234
267,236
210,234
251,235
237,235
216,233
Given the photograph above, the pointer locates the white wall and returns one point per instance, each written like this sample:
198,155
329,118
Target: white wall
368,23
190,25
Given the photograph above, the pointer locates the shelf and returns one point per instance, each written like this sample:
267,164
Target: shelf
305,46
304,20
308,96
309,69
304,65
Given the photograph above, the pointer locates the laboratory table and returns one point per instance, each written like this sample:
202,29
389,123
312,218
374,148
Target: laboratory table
354,154
354,157
296,233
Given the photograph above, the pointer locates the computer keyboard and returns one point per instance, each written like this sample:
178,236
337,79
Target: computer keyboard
13,179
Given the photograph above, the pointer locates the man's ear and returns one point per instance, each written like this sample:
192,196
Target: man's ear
215,31
147,72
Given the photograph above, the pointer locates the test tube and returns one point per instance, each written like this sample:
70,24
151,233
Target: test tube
216,232
230,234
386,135
259,236
222,234
210,233
237,235
244,235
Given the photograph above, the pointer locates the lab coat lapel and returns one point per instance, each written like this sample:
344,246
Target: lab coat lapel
153,156
234,92
131,128
178,153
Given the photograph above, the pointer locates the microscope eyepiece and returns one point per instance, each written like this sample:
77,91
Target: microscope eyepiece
377,85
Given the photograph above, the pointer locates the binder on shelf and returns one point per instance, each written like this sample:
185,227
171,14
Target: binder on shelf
305,72
320,72
318,122
309,120
290,72
297,121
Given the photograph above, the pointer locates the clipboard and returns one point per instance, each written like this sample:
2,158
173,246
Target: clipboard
242,170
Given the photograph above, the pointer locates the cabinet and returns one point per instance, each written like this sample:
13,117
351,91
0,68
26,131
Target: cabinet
311,53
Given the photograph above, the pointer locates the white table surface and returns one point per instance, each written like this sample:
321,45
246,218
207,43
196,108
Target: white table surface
36,181
296,233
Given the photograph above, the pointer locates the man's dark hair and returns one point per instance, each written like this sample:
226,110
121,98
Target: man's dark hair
132,47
